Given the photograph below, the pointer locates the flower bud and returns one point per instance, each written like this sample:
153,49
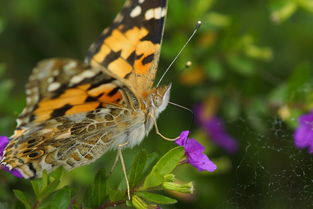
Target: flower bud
139,203
169,177
183,188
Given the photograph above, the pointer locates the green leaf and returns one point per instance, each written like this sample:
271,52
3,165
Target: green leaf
49,189
39,185
305,4
214,69
57,173
282,10
139,203
44,180
36,184
60,199
156,198
152,158
165,165
22,197
137,168
116,195
241,65
300,82
97,193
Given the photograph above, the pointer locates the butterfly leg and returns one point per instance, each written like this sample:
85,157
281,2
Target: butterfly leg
114,164
119,152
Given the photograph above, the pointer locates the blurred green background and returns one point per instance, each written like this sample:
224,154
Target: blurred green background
252,67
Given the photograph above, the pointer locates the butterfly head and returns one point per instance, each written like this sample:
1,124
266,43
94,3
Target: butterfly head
160,98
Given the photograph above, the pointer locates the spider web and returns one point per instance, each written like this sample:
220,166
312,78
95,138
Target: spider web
270,172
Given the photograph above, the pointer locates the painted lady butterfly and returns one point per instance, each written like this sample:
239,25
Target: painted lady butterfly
78,111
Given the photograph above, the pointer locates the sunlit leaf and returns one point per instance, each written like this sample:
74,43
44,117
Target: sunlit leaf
165,165
283,9
156,198
57,174
306,4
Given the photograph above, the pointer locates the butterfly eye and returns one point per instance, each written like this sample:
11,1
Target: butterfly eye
157,100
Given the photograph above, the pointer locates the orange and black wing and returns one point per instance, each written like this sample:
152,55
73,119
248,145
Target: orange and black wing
130,47
59,87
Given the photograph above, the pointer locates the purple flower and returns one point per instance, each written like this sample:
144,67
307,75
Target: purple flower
3,143
215,128
194,153
304,133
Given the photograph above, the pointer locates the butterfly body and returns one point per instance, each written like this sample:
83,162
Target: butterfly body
76,111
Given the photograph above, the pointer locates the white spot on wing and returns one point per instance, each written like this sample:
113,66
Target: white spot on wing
82,76
149,14
136,11
70,65
118,18
54,86
141,1
50,80
156,13
163,13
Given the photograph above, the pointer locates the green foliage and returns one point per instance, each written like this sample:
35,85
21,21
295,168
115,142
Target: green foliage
22,197
164,166
97,193
49,193
60,199
156,198
137,168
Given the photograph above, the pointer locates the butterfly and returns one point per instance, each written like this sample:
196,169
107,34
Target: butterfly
76,111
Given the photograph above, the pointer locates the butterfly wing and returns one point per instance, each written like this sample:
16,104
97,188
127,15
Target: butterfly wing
60,87
74,114
130,47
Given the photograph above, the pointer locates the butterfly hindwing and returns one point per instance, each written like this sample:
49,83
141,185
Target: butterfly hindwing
130,47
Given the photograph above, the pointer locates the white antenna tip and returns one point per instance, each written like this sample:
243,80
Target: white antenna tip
188,64
199,22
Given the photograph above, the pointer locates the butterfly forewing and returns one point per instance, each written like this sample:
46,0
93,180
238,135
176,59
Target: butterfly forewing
130,47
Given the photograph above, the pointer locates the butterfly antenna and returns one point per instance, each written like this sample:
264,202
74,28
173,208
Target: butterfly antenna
181,50
185,108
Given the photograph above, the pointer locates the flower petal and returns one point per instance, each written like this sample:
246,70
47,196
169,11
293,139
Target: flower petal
303,135
182,139
193,146
194,153
14,172
201,162
3,143
215,128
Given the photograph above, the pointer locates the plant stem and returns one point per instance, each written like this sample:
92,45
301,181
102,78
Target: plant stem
36,205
